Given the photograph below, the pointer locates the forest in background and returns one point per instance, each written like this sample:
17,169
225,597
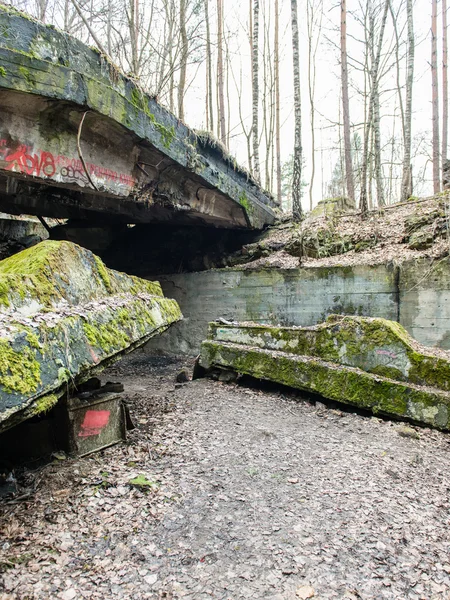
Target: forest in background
318,99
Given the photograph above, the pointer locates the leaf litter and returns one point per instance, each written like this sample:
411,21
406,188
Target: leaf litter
257,492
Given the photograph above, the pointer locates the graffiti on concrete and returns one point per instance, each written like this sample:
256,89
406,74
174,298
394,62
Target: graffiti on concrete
23,158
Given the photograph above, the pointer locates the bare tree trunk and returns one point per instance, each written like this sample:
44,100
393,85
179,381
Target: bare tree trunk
373,92
220,82
297,212
227,86
183,60
444,83
346,105
377,148
133,24
277,100
255,90
42,9
88,27
209,93
435,98
406,190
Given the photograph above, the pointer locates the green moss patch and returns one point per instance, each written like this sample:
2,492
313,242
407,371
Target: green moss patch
19,370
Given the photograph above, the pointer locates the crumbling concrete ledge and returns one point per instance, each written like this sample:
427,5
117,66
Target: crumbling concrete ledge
370,363
63,315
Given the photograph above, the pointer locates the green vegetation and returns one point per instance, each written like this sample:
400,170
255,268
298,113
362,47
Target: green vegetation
141,481
19,370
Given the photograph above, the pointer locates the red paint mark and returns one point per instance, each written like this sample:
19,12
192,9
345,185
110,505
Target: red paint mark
94,422
31,164
23,159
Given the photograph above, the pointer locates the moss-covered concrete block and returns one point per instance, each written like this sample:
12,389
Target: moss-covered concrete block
63,314
370,363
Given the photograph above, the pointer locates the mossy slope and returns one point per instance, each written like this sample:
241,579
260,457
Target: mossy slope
62,314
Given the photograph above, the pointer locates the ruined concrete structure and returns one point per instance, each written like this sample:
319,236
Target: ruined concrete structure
64,315
79,139
414,293
370,363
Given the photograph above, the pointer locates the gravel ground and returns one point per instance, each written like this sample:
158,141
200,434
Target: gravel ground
253,493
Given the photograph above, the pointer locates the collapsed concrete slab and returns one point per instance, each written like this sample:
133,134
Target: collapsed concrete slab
79,139
370,363
64,315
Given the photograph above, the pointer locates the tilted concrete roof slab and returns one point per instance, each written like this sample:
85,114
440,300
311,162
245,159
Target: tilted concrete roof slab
127,158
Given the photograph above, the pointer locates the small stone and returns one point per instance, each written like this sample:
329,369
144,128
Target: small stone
68,594
305,591
408,432
151,579
182,376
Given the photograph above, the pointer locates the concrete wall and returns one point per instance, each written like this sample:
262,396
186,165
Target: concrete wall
424,301
287,297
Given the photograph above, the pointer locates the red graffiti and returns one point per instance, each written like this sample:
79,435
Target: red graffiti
40,163
93,423
31,164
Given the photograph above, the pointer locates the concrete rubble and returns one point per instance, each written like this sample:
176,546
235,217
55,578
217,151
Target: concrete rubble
370,363
63,316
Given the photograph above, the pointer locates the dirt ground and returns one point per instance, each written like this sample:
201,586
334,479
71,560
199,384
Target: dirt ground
250,492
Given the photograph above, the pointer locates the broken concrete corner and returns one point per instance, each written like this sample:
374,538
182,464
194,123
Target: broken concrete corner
370,363
63,315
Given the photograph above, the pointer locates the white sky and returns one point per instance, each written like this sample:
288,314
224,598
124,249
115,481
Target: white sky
327,96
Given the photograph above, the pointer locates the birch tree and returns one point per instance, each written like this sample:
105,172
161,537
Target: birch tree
444,83
435,99
255,90
371,109
406,189
346,105
297,212
220,76
277,100
209,92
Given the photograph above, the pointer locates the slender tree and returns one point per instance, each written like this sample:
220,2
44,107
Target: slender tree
277,100
444,83
297,212
346,105
220,75
406,189
314,13
435,98
374,79
209,92
255,90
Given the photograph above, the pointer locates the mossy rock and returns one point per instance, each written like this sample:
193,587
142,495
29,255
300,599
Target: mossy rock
421,240
375,346
64,314
378,394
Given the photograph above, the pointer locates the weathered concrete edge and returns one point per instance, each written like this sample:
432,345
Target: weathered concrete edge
89,334
52,64
375,345
343,384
